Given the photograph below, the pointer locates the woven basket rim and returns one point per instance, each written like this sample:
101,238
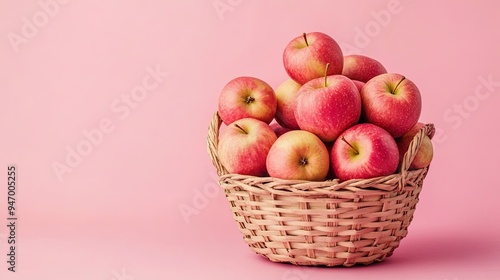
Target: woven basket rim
396,181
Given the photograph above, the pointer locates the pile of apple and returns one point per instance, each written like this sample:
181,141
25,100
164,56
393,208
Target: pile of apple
338,116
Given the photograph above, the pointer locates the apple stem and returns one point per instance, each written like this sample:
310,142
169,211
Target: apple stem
240,128
305,38
394,90
326,73
343,139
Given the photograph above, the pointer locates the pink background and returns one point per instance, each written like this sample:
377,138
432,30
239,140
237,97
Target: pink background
116,214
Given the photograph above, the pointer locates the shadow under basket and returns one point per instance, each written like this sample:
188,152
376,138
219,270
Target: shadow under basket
328,223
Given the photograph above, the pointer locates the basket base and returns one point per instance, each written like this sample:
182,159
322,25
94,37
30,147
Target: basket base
324,261
311,228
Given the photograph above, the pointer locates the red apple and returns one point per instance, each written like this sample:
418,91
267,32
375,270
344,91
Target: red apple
392,102
278,129
306,56
328,106
359,85
243,146
285,94
298,155
364,151
247,97
362,68
425,152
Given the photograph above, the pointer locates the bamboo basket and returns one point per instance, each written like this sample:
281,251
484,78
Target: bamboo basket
328,223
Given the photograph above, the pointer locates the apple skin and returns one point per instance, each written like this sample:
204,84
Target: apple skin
359,85
247,97
278,129
328,111
376,153
392,102
245,151
425,152
285,94
304,62
298,155
362,68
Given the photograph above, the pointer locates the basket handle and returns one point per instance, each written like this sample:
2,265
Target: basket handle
410,154
213,141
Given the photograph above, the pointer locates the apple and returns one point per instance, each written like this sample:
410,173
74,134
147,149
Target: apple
298,155
243,146
278,129
359,84
306,56
364,151
392,102
425,152
327,106
247,97
285,94
362,68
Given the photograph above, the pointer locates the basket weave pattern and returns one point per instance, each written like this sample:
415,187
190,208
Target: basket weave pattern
327,223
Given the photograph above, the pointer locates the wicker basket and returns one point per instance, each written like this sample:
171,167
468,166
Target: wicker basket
327,223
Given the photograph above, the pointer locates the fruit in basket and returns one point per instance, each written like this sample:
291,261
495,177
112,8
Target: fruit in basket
328,95
327,106
306,56
359,84
362,68
425,152
285,94
278,129
392,102
345,132
247,97
364,151
244,145
298,155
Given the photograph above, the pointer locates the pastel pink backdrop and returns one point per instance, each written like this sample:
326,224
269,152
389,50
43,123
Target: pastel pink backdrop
117,215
